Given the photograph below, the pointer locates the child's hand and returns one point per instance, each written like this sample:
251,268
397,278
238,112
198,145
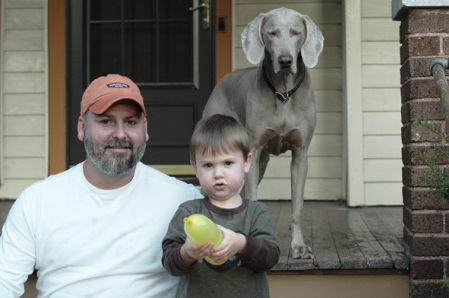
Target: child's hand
190,252
232,244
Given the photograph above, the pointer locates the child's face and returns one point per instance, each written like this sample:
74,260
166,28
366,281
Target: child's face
221,176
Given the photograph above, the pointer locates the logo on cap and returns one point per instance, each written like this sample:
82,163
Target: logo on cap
117,85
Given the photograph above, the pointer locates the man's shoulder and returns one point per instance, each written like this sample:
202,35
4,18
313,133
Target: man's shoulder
50,188
57,179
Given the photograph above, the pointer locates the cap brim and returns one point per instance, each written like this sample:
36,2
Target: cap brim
104,103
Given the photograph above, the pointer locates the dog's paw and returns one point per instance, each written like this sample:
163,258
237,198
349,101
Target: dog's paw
301,252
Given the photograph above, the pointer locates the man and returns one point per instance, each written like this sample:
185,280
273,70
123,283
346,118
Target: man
96,229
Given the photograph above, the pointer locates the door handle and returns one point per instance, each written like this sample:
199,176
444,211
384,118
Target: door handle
205,7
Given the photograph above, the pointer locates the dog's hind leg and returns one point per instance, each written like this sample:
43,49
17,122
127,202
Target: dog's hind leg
263,162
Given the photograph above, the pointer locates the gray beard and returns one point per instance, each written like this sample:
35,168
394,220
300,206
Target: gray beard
117,165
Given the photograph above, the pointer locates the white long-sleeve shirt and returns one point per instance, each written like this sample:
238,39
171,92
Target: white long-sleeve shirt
89,242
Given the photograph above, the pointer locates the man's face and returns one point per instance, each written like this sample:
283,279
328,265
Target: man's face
115,141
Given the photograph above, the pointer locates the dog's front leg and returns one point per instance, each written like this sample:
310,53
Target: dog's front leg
299,166
252,178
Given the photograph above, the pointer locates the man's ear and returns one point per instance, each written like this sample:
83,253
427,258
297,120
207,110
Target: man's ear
147,137
81,125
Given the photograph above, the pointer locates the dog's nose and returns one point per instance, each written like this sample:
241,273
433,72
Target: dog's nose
285,61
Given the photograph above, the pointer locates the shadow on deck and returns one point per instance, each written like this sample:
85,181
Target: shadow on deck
344,240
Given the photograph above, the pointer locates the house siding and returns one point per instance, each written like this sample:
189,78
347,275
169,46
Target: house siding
23,96
381,104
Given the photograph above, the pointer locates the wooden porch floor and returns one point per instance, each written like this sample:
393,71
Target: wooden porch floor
344,240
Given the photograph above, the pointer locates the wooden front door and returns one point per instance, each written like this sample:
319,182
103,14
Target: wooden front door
163,46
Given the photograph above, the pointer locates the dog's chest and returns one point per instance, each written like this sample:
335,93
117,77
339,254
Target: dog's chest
280,137
278,144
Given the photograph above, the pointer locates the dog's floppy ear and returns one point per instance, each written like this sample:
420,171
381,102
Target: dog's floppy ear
252,42
313,46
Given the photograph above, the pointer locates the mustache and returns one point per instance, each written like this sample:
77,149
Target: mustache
124,144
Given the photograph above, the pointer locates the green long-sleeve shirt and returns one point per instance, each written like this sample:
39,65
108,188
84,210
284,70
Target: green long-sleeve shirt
247,278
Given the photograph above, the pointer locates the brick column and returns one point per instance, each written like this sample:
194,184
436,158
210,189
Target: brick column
424,35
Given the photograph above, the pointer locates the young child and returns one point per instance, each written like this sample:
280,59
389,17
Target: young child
219,153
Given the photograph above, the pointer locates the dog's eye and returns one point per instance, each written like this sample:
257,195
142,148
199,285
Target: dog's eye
296,32
272,33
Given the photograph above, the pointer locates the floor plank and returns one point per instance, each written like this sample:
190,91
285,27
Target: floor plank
385,228
343,238
348,249
376,256
324,249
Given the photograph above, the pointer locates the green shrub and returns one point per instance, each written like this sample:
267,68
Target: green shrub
440,181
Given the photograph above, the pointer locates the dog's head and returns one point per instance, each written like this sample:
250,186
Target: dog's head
284,33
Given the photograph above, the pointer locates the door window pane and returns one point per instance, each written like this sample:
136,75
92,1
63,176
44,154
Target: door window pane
175,10
140,9
175,63
98,11
141,52
105,43
150,41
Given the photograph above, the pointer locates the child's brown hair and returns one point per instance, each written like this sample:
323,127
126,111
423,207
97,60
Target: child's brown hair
219,134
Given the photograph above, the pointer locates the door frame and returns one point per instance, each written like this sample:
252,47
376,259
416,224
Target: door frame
57,97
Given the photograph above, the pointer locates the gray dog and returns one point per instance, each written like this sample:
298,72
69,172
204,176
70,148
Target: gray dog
275,101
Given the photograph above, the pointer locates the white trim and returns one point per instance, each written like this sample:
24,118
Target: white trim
399,7
352,104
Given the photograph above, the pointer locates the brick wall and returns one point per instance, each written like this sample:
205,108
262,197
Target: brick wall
424,35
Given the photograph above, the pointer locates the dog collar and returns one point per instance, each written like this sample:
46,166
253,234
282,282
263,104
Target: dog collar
283,96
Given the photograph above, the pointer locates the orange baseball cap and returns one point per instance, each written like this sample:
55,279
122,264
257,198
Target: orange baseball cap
103,92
